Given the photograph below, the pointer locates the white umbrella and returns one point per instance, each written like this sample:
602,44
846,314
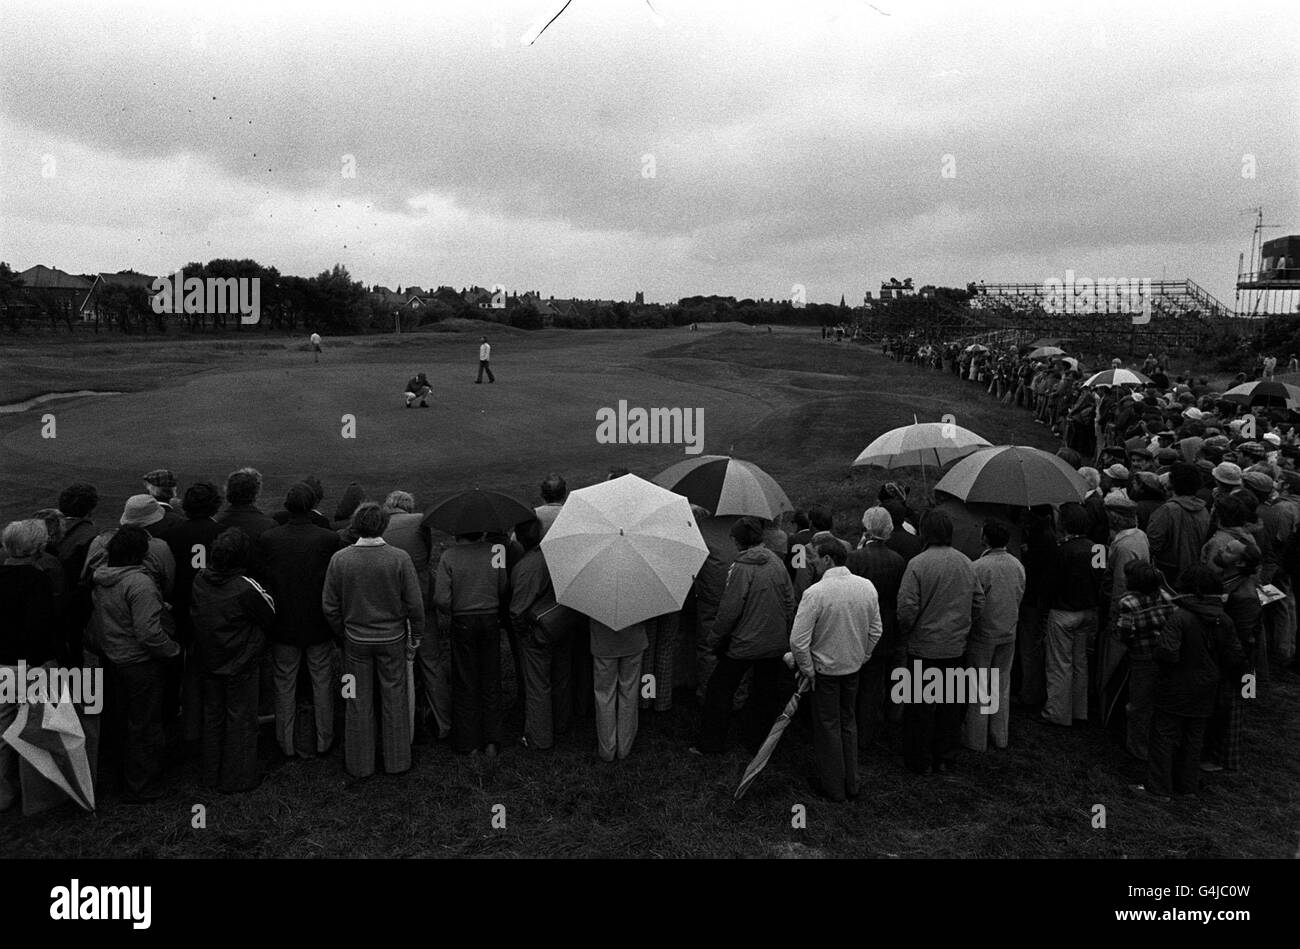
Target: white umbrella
921,444
1116,377
624,551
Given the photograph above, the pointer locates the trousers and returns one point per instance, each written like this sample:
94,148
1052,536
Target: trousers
614,691
374,666
286,660
835,734
230,730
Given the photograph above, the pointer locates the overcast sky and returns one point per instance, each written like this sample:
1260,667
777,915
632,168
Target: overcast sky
692,147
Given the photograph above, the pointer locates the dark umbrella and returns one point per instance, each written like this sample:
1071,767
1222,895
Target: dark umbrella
477,511
1266,393
774,736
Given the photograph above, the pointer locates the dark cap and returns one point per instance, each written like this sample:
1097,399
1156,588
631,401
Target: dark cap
160,478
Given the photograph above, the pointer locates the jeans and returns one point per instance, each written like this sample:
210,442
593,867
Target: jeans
835,734
615,690
760,710
484,367
1174,753
371,664
141,694
230,729
286,659
1068,633
978,727
548,699
1141,693
433,663
476,681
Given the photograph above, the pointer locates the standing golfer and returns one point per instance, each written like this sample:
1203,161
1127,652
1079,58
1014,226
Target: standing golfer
315,345
418,388
484,355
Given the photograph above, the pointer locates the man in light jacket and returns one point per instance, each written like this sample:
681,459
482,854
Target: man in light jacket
835,630
751,630
992,643
939,601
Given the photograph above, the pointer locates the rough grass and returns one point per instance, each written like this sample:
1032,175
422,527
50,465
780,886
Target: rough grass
1035,799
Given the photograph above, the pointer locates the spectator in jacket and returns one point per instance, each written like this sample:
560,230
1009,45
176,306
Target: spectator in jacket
710,582
232,614
353,497
1029,669
315,515
190,543
242,489
295,558
472,586
1073,596
28,627
903,541
836,628
548,699
47,561
554,493
751,632
1094,502
76,502
875,561
1231,513
160,484
938,601
1140,616
1127,543
142,511
1198,649
128,608
1238,565
992,642
372,602
1179,528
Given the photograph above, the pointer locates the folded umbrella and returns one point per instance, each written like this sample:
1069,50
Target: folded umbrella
50,738
774,736
478,511
624,551
726,486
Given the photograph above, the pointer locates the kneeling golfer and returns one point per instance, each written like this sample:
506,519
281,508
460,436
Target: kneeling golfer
418,388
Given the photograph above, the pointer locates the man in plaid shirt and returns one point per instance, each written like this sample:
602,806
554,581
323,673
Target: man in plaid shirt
1142,615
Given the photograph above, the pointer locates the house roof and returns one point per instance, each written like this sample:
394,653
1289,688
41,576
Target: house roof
49,278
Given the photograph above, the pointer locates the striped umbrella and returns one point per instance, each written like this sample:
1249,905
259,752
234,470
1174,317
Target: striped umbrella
50,738
1116,377
726,486
774,736
1015,475
1266,393
923,443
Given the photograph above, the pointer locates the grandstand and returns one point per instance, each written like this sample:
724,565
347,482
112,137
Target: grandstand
1160,314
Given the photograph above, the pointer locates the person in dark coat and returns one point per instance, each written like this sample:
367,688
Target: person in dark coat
1238,564
902,541
1198,648
1073,595
353,496
750,632
190,542
548,698
231,613
29,630
884,567
294,558
318,492
242,489
1179,528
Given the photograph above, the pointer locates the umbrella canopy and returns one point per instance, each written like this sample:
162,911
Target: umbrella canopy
726,486
50,738
925,443
774,736
1116,377
624,551
476,511
1015,475
1263,392
1047,352
976,348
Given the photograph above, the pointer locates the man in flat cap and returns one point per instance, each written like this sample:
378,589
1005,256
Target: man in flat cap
160,484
